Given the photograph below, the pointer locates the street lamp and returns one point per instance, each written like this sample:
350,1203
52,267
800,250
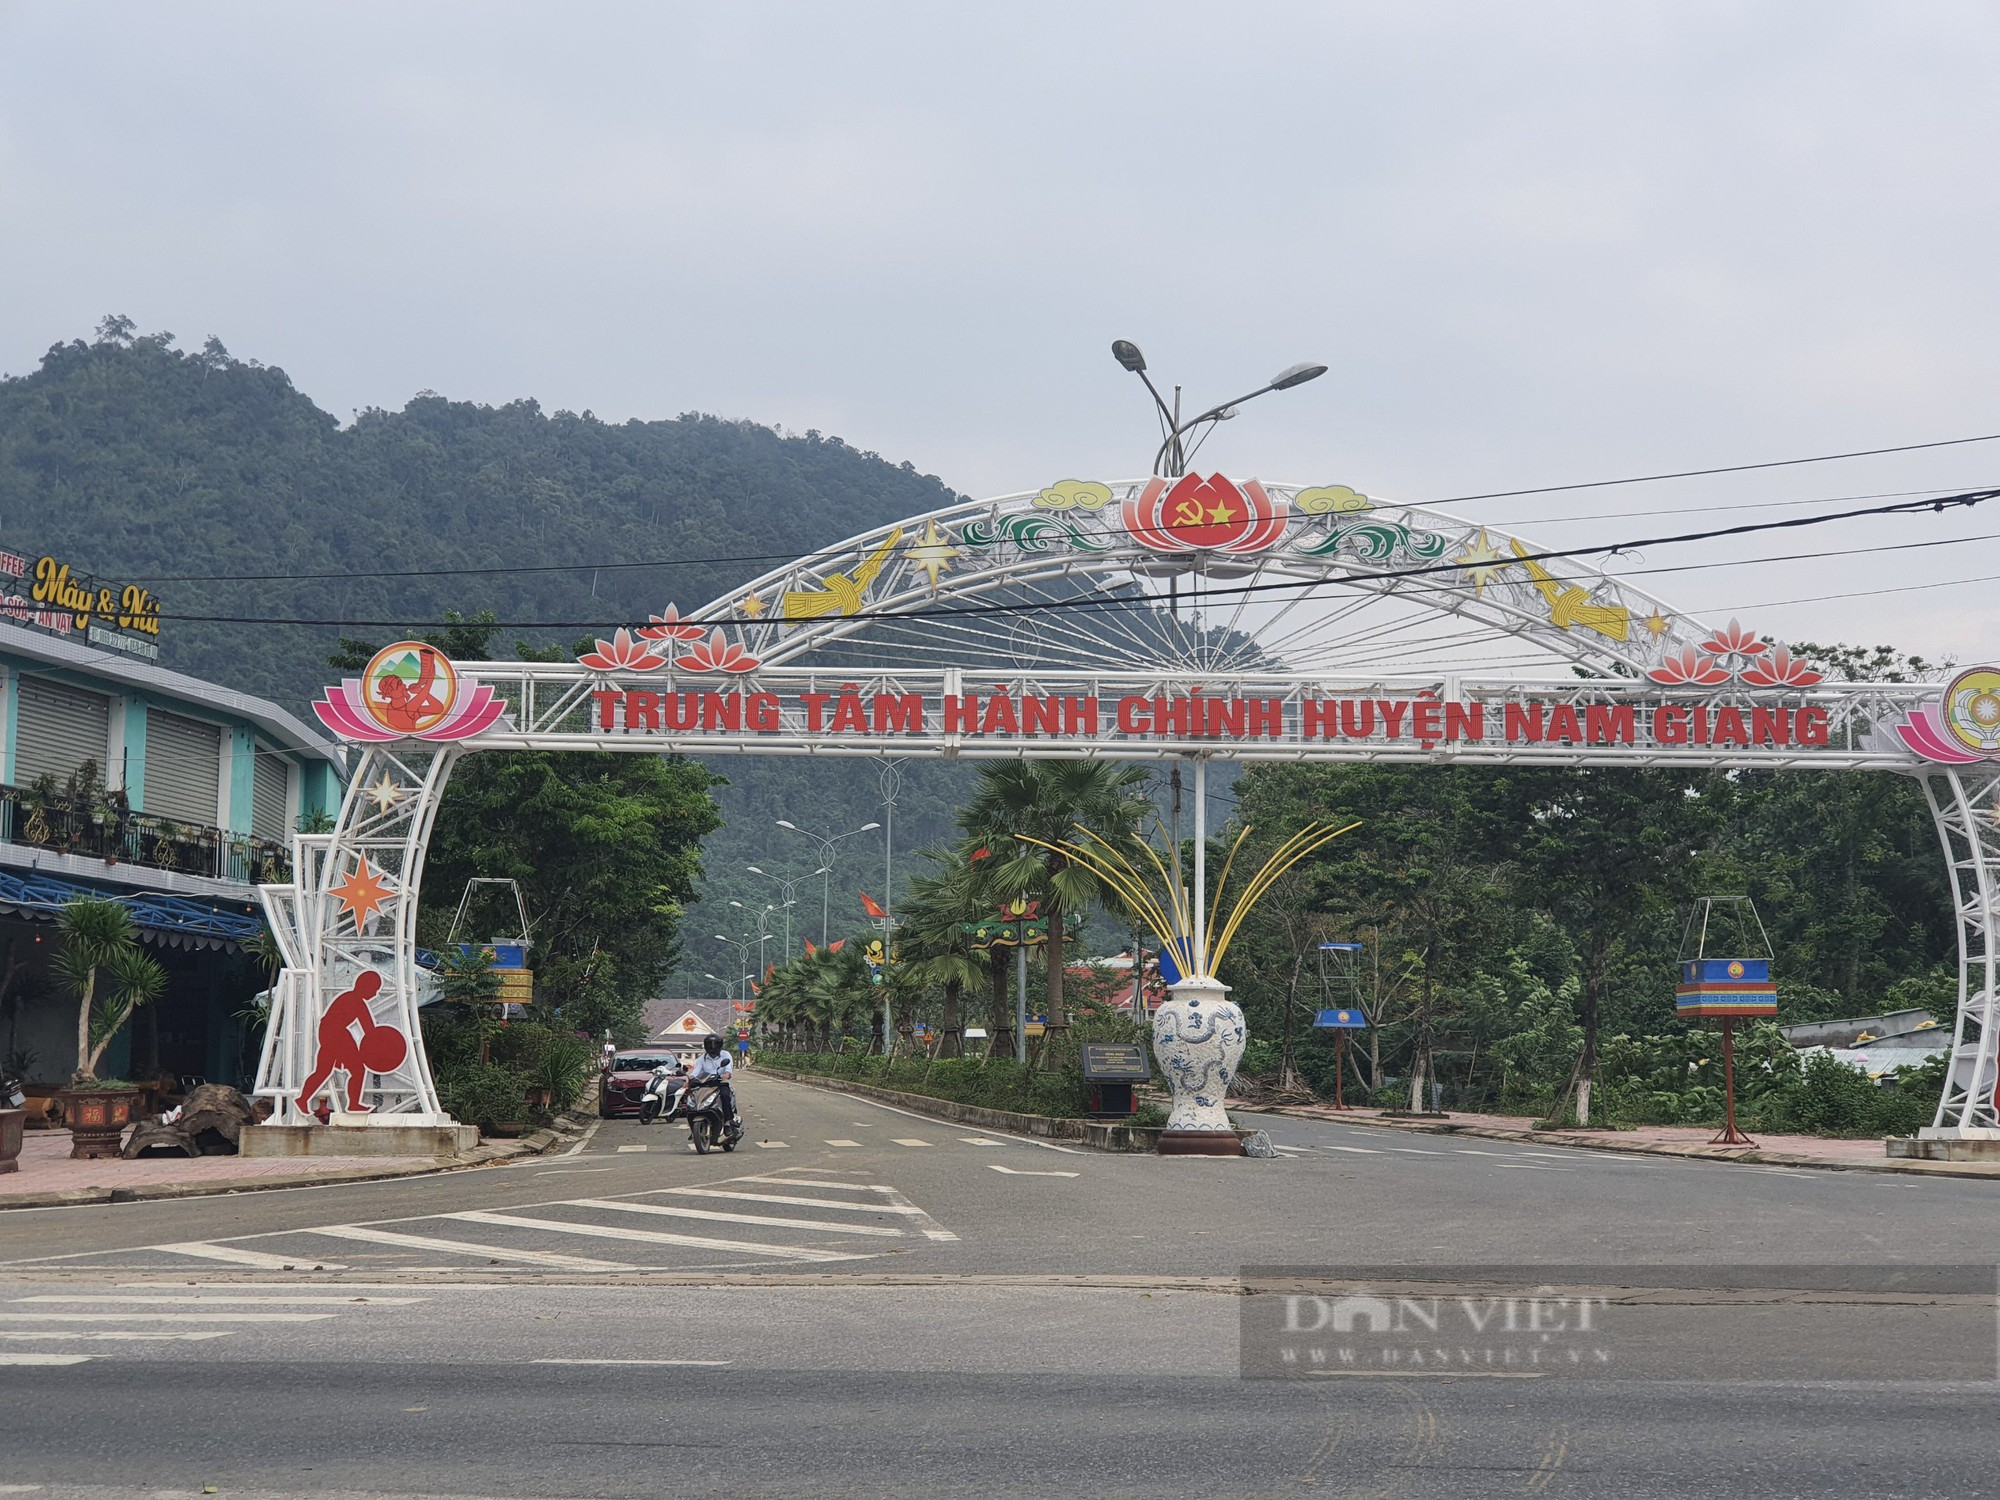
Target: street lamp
826,843
763,937
785,886
742,945
1171,459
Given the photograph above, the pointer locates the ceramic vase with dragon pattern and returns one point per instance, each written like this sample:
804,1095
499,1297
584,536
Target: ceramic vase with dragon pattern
1198,1036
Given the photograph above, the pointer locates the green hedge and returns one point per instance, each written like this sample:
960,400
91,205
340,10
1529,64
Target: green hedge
990,1083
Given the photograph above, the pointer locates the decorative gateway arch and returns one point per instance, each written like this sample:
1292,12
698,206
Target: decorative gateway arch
1194,618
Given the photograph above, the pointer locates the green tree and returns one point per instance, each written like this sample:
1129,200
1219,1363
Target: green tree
1049,800
102,966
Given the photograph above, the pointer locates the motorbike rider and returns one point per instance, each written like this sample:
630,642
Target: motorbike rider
714,1063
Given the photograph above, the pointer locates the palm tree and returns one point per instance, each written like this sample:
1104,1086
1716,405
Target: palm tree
1049,800
935,915
98,937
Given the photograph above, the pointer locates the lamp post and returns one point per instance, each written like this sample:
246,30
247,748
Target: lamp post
1174,451
763,937
785,887
826,843
742,947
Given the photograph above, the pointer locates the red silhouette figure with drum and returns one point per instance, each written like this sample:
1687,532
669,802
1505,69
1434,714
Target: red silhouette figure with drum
376,1049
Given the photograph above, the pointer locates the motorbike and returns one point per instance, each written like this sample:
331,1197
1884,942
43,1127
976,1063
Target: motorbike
663,1096
708,1127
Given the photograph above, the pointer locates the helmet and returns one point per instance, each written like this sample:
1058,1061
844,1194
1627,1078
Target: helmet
711,1044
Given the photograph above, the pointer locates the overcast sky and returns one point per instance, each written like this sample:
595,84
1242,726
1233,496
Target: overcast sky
1537,243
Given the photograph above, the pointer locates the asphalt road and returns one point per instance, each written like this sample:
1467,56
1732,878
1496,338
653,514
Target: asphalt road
861,1302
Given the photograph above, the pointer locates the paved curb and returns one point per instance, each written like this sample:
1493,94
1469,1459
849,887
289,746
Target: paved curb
1607,1141
484,1154
1092,1133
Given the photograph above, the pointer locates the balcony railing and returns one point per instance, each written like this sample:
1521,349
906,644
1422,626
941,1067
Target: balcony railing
108,831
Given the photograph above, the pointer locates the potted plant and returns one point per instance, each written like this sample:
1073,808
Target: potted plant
101,964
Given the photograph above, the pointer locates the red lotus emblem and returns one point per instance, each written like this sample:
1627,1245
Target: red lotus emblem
717,654
669,627
1688,666
1782,670
1734,640
1194,514
621,652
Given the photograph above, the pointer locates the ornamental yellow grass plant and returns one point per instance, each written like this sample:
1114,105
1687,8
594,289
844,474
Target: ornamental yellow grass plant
1171,919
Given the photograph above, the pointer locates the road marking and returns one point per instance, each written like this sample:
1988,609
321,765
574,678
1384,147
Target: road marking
994,1166
571,1171
772,1146
862,1208
236,1255
1357,1150
814,1182
623,1149
146,1317
256,1301
188,1335
1531,1166
1416,1151
374,1236
843,1143
909,1114
43,1359
633,1361
908,1140
973,1140
1291,1150
1468,1151
584,1139
648,1236
678,1211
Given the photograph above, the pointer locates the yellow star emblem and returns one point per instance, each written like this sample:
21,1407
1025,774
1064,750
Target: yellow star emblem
1481,560
931,553
751,605
385,794
1657,624
1220,512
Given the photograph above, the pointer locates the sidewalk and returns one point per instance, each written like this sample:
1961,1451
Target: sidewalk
48,1178
1866,1155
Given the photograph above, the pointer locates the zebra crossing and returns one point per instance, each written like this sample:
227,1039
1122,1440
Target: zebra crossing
58,1328
786,1217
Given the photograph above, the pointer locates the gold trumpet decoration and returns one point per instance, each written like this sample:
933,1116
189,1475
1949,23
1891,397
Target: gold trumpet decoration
1571,606
1172,920
840,594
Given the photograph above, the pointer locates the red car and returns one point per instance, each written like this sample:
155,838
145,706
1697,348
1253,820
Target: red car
621,1085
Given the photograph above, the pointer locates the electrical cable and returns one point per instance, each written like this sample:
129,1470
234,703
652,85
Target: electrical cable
690,562
1936,504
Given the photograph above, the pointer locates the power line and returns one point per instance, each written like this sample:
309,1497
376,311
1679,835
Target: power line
1937,504
510,569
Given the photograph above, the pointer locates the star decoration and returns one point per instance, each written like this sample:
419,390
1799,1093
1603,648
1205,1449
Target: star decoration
1656,624
1220,512
752,605
1481,559
385,794
931,554
362,893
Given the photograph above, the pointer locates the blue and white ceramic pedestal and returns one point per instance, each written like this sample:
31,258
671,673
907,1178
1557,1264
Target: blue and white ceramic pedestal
1198,1036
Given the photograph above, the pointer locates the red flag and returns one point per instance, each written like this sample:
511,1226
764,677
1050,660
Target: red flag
868,905
809,946
836,945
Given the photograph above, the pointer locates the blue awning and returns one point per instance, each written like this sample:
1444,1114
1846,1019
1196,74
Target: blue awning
175,921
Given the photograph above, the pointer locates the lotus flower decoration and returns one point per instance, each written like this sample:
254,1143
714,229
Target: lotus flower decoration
717,654
1689,667
622,654
473,709
669,627
1734,640
1193,514
1782,670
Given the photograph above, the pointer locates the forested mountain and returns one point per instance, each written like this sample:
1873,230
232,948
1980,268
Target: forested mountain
141,462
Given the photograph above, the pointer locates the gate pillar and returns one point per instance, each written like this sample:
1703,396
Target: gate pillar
1966,804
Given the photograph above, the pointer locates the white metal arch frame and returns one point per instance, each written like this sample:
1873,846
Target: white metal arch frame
1106,600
